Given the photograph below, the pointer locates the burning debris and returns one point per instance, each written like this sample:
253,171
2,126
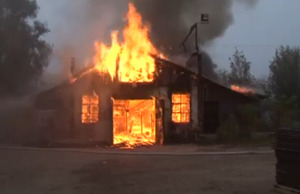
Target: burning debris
134,122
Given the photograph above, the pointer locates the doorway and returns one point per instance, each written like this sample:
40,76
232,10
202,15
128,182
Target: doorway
134,122
211,117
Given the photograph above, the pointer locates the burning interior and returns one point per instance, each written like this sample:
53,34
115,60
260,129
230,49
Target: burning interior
90,109
134,122
181,108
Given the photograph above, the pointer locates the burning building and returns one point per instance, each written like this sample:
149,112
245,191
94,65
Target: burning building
133,95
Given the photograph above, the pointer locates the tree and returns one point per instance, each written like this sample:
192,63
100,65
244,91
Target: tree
23,54
284,85
262,85
284,79
240,70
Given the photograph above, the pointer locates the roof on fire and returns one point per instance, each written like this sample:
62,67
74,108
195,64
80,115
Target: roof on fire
203,79
160,62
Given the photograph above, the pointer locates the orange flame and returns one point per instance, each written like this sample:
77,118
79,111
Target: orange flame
134,122
243,90
129,61
90,109
181,108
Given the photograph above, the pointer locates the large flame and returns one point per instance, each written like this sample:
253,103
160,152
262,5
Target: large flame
129,61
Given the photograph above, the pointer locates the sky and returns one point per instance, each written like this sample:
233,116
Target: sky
257,32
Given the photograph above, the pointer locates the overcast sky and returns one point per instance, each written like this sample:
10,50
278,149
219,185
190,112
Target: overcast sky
258,31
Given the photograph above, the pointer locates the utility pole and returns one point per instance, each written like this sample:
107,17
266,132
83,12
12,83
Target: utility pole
200,96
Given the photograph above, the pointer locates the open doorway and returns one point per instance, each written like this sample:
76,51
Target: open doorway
211,117
134,122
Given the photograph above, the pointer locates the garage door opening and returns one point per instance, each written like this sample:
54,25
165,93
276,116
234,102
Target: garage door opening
134,122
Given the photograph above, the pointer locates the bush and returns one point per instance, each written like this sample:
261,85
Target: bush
241,125
284,113
249,121
229,130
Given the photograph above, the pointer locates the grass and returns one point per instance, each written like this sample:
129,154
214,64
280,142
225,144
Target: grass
259,141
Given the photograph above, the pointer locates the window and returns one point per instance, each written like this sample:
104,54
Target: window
181,108
90,109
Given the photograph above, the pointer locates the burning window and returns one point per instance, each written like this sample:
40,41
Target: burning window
90,109
181,108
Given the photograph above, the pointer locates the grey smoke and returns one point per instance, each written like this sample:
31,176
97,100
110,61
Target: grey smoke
208,66
80,23
171,19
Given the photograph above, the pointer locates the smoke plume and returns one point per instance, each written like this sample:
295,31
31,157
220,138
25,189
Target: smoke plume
79,24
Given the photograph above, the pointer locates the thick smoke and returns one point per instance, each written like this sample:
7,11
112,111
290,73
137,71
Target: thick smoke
172,19
79,24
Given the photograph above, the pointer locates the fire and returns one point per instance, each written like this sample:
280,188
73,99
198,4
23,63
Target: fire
128,61
181,108
243,90
131,60
134,122
90,109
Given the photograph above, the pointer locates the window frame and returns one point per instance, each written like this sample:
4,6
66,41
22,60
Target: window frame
93,110
185,116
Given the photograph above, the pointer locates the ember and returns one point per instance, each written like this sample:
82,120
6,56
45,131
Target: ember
130,61
134,122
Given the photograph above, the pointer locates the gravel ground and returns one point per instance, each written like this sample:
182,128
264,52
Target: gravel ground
66,172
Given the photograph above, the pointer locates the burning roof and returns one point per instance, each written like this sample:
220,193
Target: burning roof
242,89
130,60
135,59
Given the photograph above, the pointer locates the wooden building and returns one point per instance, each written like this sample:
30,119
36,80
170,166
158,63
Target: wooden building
178,105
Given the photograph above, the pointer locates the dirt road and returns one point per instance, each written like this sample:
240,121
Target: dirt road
68,172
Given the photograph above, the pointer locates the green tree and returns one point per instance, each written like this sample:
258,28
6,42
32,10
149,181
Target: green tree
284,79
23,54
240,70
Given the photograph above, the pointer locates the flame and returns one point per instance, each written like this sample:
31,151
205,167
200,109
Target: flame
243,90
131,60
181,108
90,109
134,122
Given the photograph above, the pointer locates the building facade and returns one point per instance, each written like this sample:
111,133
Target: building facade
177,106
